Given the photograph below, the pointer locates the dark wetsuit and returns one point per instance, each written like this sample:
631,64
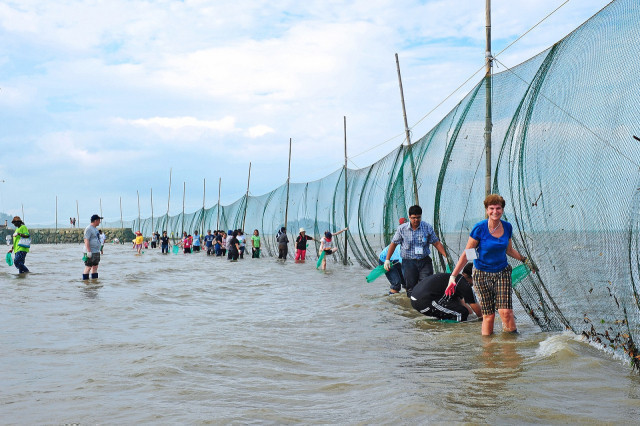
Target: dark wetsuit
427,298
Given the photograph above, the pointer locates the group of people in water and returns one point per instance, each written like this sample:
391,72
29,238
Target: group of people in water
471,290
233,244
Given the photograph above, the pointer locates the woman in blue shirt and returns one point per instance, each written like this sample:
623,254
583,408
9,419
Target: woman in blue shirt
491,239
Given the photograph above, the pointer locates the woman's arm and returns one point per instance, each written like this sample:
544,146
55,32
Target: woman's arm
511,252
471,243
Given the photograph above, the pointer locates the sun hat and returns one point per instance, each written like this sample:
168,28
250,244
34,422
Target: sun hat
302,230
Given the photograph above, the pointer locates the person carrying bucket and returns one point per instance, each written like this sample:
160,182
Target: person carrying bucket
21,244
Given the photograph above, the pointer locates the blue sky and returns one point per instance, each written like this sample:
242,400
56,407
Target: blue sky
100,99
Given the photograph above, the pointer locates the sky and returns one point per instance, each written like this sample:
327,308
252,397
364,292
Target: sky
101,99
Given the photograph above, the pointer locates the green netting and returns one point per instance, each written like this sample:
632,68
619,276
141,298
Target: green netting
563,158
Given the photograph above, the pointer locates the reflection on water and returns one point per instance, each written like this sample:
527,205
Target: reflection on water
190,339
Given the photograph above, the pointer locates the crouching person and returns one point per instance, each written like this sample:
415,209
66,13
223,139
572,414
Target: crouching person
429,299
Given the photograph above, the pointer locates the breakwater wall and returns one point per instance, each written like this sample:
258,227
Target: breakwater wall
69,235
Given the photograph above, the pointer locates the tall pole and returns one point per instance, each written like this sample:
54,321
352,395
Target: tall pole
204,192
184,191
246,198
152,210
487,122
100,207
286,209
121,221
408,135
168,201
345,189
22,204
139,222
219,187
55,238
78,214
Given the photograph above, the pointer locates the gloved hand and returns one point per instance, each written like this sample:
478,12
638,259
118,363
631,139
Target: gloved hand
88,254
387,265
451,288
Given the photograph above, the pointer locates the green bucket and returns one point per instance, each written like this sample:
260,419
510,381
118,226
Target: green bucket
518,274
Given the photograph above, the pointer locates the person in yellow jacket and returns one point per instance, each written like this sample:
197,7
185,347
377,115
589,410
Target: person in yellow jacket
21,244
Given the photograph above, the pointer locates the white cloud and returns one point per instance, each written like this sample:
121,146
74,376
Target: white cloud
258,131
226,124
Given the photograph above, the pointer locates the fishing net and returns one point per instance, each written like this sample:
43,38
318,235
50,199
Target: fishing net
563,157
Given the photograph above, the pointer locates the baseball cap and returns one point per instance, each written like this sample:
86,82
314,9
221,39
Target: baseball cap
96,217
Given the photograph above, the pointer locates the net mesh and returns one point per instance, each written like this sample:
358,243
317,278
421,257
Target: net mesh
563,158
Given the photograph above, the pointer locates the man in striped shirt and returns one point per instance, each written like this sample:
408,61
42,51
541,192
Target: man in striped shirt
415,239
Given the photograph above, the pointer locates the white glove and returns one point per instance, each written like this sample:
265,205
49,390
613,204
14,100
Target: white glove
387,265
88,254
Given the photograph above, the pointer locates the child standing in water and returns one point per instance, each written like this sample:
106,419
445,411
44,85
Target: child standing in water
255,244
138,241
187,243
326,245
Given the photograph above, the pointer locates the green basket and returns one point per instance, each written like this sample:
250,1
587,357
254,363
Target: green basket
319,263
9,259
518,274
376,273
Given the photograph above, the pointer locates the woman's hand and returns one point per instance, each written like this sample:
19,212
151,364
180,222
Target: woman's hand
533,268
451,288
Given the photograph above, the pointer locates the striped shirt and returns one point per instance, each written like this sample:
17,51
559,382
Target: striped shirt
412,241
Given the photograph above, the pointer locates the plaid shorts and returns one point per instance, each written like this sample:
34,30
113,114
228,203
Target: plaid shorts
493,290
94,260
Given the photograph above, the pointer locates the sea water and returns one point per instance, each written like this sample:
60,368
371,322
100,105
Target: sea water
195,339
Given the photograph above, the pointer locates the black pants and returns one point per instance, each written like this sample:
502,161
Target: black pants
415,270
444,309
233,254
282,252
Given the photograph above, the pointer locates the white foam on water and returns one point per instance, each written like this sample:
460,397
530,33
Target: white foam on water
555,344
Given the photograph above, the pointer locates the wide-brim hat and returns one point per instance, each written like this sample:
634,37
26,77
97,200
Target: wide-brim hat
302,230
16,219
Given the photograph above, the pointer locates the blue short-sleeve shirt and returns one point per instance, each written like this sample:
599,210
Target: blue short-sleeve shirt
395,257
492,251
